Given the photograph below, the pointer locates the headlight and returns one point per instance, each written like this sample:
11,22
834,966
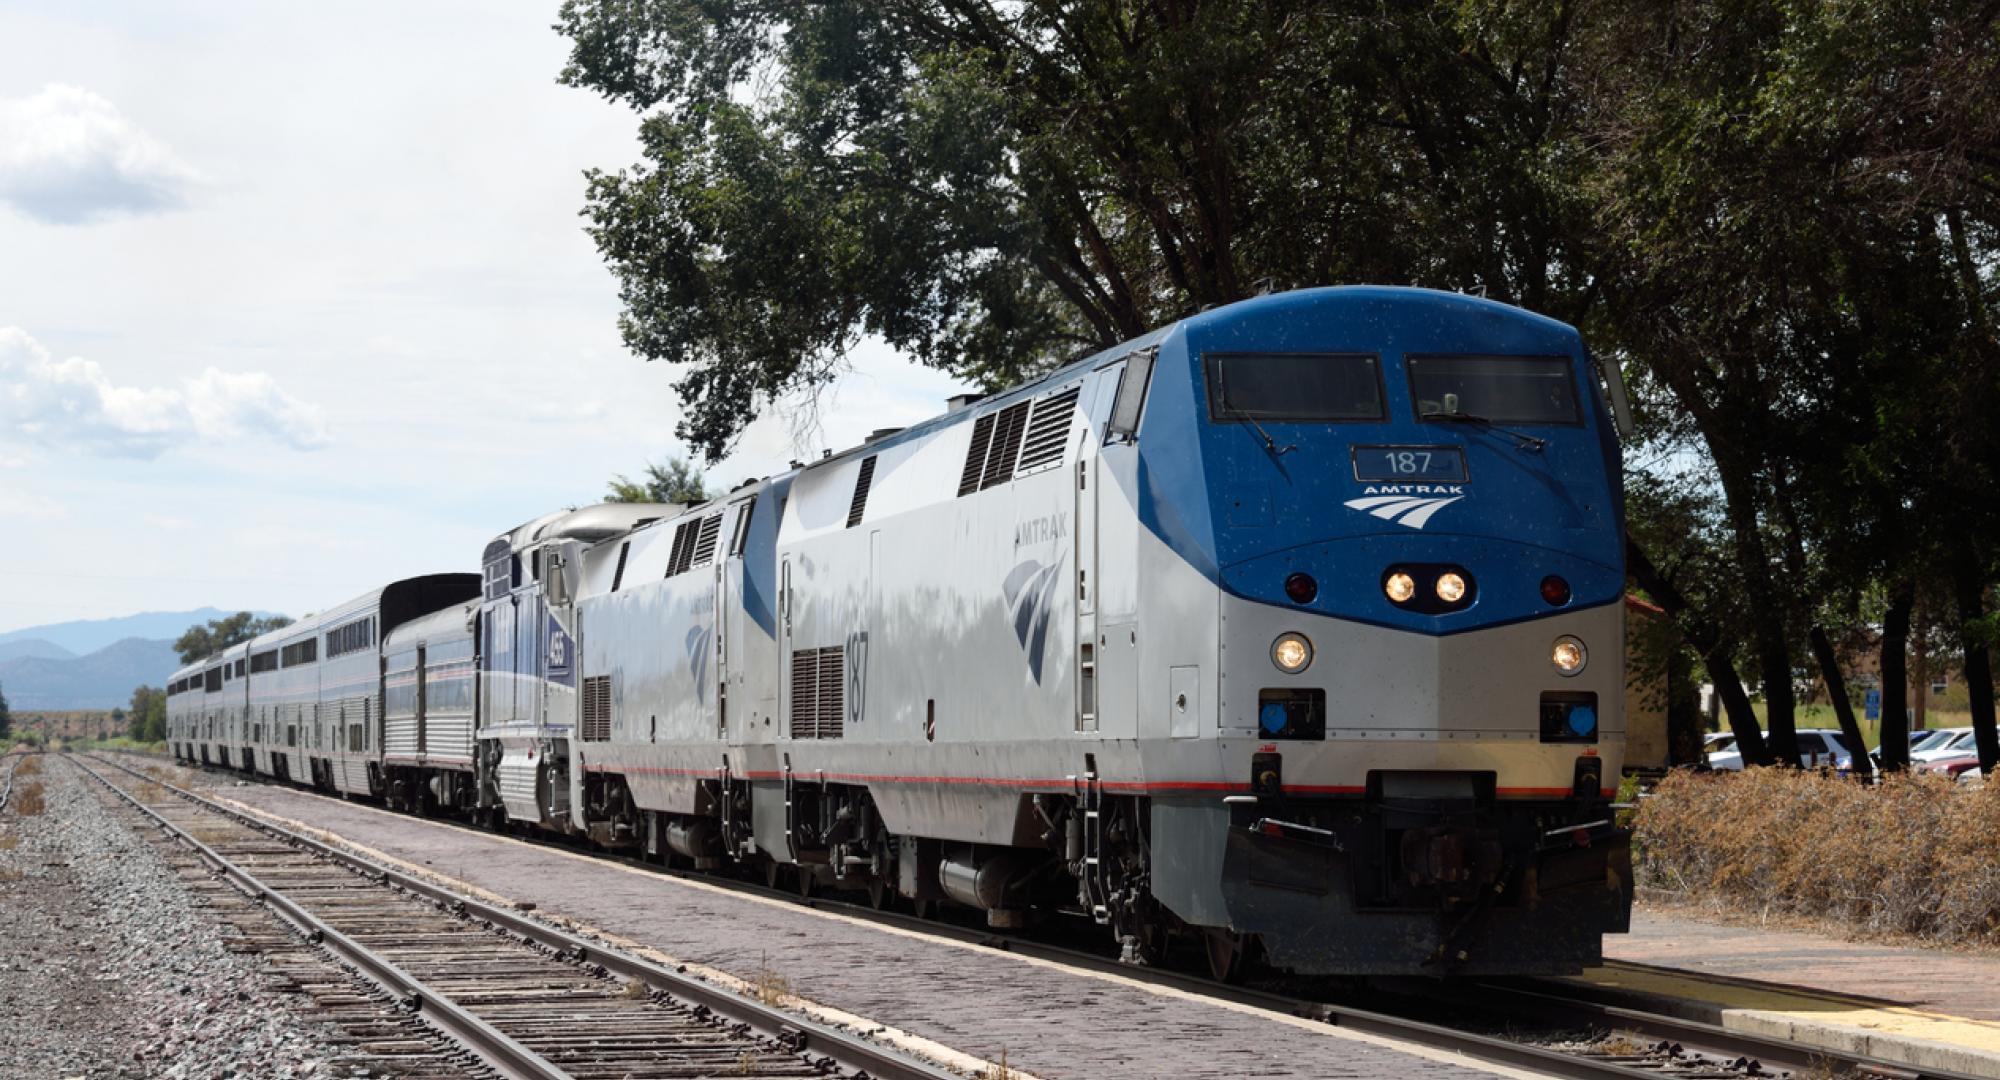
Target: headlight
1450,587
1291,652
1399,587
1568,655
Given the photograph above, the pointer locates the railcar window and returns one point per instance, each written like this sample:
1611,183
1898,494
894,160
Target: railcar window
1319,387
356,635
1503,389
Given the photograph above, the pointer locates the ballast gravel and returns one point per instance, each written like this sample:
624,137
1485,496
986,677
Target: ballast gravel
108,968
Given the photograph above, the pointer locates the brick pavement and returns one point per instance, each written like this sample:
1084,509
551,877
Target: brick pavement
1049,1021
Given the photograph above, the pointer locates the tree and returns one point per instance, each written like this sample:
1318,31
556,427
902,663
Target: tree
147,720
201,642
1780,217
676,481
994,187
6,717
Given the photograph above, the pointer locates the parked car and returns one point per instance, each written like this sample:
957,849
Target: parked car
1818,747
1960,766
1925,740
1951,742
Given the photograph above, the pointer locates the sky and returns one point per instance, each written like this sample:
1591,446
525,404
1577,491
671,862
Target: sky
295,301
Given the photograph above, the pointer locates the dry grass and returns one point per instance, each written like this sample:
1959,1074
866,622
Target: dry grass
9,841
30,765
771,988
27,801
1913,855
150,792
999,1070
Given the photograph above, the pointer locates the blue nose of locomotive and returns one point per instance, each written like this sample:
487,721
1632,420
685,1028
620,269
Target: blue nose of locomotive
1421,460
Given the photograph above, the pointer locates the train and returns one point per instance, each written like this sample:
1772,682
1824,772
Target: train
1293,629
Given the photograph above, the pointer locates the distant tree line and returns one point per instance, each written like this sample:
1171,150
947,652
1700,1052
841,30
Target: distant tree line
1781,218
219,634
675,481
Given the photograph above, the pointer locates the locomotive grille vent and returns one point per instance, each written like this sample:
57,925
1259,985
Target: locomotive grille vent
597,708
1048,432
975,455
704,540
1001,457
618,575
862,481
682,554
819,699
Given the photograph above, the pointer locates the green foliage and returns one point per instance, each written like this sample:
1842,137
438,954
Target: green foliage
1781,218
6,716
147,720
201,642
993,188
676,481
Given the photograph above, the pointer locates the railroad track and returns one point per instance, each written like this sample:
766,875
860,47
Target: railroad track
7,787
1636,1043
514,997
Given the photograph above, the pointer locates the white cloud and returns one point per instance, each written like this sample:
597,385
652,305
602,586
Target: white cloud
73,403
68,156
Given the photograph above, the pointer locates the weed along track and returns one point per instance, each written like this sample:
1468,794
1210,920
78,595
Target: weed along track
456,987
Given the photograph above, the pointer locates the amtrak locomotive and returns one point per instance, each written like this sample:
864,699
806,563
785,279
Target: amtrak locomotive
1294,628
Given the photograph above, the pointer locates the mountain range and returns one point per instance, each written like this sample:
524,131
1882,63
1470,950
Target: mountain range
100,680
90,635
92,664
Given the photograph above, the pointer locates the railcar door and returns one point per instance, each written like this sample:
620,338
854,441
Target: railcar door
1087,645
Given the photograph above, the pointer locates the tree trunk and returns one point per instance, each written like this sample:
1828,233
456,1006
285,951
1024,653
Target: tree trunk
1774,662
1836,689
1683,710
1895,747
1921,631
1978,668
1707,642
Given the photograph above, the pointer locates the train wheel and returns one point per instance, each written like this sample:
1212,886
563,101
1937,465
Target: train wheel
774,873
1228,952
880,893
806,882
923,909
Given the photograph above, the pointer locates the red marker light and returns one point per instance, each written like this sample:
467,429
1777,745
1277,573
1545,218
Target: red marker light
1555,590
1301,588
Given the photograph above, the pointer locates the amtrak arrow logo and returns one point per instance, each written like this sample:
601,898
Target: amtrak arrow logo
1407,504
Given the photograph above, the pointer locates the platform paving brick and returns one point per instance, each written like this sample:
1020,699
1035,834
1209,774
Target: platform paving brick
1049,1023
1956,983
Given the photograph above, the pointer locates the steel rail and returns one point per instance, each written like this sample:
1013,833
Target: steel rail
1478,1047
849,1051
493,1047
1547,998
1541,1000
7,792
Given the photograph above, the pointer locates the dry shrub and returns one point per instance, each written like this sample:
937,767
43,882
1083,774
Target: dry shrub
1915,854
29,766
27,800
9,841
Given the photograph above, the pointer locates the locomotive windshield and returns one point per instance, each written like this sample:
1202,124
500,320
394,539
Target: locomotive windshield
1294,386
1501,389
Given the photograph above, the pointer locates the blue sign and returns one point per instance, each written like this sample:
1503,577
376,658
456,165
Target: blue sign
1873,704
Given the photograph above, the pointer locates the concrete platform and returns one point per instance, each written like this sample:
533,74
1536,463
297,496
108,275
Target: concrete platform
1924,1007
962,1004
